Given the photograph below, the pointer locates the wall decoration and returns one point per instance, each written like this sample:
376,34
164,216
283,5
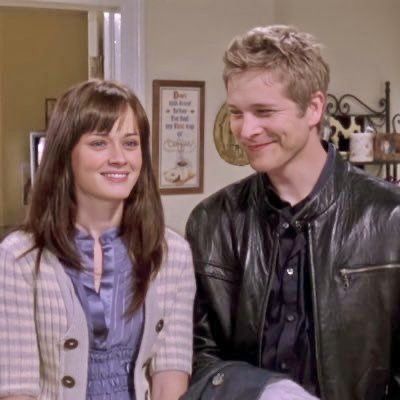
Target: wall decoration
49,104
178,135
227,146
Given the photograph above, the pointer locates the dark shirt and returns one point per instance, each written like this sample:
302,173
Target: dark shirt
288,340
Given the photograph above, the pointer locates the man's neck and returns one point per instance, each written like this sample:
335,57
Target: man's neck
296,180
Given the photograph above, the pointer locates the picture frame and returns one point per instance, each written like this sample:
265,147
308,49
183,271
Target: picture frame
49,104
178,135
387,147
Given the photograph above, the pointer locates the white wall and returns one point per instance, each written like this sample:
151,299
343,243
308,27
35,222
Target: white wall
185,39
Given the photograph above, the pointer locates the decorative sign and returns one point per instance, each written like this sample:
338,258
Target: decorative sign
178,135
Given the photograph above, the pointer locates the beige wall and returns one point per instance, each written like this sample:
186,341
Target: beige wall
361,42
43,52
186,39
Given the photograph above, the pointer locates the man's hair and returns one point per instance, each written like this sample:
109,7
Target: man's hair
91,106
293,57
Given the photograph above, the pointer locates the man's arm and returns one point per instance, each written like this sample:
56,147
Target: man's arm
217,374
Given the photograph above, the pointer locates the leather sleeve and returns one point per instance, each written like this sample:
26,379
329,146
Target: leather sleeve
217,375
230,380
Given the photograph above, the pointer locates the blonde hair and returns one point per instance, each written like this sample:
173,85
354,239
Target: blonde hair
294,57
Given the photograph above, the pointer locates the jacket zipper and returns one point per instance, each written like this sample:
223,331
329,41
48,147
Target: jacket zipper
315,315
346,273
266,297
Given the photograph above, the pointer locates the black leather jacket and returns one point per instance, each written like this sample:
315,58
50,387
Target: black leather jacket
353,233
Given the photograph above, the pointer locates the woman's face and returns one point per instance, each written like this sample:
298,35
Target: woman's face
106,165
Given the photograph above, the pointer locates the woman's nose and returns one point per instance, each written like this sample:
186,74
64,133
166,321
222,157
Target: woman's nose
117,155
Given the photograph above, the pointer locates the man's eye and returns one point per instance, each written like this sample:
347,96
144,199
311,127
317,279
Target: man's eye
263,113
235,113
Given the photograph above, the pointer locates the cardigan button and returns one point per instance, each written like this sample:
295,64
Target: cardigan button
68,381
70,344
218,379
160,325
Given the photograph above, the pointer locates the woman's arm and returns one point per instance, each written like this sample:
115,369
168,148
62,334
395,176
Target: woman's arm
19,355
169,385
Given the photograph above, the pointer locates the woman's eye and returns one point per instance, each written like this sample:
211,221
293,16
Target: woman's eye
131,144
97,144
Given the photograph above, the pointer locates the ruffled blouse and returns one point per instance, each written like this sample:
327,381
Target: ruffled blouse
114,337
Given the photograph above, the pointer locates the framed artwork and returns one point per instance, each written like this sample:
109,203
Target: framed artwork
178,135
49,104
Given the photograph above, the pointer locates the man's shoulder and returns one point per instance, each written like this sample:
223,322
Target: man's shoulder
373,198
232,195
373,190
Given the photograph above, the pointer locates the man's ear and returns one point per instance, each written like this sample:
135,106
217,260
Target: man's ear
315,109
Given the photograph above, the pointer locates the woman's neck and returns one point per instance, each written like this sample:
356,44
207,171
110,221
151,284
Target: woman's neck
96,218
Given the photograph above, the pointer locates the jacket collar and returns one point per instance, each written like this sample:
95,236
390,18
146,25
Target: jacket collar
323,199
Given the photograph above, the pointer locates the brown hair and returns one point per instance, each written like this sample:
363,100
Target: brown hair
294,56
90,106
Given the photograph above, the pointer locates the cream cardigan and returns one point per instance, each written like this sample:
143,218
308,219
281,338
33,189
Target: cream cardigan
43,330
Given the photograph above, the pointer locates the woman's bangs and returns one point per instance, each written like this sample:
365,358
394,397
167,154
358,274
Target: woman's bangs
100,114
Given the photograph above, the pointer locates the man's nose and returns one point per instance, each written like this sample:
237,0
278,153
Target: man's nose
250,126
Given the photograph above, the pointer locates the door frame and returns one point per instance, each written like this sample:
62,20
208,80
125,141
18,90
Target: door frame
132,32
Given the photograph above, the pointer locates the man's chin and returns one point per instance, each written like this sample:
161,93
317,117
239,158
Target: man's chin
260,165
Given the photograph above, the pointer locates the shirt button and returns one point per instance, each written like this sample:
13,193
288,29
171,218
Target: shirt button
68,381
160,325
290,271
70,344
285,225
290,318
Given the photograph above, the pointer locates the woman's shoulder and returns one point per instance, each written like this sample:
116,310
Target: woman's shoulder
175,241
17,243
177,255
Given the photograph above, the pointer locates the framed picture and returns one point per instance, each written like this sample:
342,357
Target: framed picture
49,104
387,147
178,135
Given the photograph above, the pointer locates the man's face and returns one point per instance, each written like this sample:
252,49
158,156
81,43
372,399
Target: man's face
271,128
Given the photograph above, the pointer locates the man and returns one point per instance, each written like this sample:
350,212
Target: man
298,265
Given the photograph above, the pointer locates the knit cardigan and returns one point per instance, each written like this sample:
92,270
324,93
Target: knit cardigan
43,330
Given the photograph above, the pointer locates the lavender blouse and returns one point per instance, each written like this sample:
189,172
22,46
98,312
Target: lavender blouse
114,337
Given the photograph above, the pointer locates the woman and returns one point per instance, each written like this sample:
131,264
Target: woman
95,293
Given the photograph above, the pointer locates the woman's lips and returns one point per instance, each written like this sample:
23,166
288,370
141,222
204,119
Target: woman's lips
115,176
